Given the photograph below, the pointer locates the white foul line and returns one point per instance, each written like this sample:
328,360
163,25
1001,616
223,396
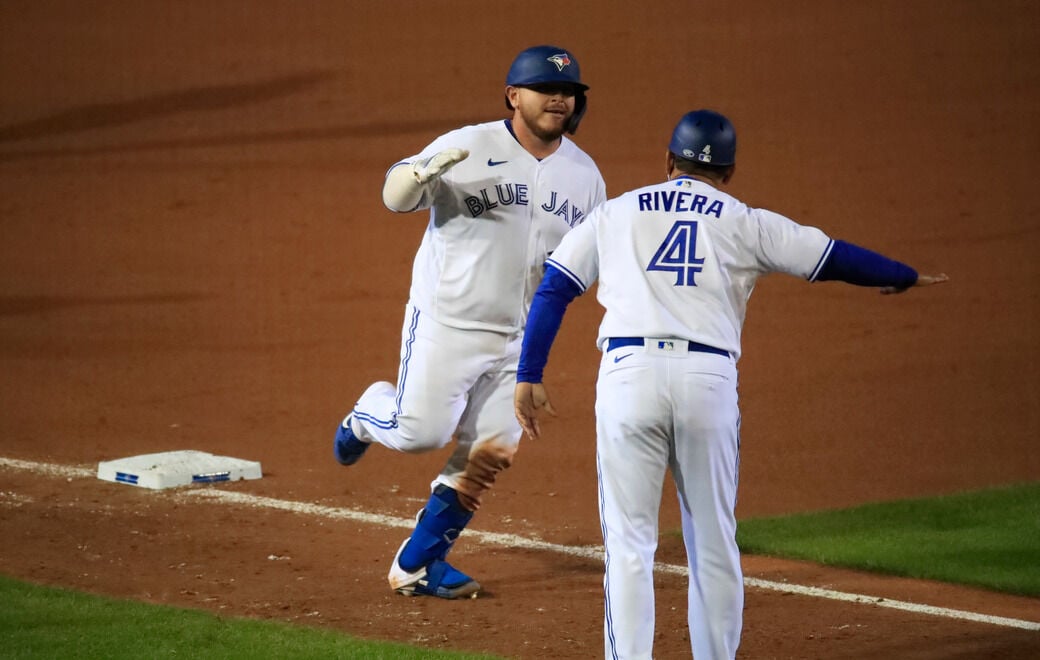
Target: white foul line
47,469
514,541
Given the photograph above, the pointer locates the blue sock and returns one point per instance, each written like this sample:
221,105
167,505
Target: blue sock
439,526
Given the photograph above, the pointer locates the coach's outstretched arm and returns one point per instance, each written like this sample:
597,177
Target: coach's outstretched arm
406,183
853,264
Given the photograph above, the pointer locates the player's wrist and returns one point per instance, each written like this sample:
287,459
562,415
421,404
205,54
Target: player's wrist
418,170
534,378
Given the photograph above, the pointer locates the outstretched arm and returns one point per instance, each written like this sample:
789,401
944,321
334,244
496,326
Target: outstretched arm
405,184
857,265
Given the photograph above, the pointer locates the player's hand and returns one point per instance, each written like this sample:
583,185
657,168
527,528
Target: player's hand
528,400
922,280
435,166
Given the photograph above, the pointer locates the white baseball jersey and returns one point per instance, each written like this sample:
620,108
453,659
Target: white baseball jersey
680,259
494,218
676,263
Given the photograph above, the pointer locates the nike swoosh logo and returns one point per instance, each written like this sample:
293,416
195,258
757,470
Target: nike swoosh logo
619,358
492,163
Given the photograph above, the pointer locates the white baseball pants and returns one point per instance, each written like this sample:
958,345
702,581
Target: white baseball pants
660,409
451,383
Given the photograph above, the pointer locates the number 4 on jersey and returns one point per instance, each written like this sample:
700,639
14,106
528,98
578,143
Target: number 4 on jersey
677,254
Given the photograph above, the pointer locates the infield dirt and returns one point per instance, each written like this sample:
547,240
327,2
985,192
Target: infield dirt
195,256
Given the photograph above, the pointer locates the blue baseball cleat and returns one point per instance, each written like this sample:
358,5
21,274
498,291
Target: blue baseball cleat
347,447
438,578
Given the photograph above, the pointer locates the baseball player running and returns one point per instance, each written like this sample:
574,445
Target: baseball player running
676,262
501,195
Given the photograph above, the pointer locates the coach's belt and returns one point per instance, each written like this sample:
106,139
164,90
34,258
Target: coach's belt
692,346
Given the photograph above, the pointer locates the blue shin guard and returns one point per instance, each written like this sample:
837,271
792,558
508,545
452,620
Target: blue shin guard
439,525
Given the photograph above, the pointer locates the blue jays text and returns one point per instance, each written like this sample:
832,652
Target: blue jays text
516,193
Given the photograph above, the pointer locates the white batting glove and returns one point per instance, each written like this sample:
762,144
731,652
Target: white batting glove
435,166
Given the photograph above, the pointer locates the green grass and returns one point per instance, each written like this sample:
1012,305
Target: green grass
988,539
43,622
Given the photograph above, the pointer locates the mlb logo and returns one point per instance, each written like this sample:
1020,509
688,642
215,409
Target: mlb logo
704,156
666,345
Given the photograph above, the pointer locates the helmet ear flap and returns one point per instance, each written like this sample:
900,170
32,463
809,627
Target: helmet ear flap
580,105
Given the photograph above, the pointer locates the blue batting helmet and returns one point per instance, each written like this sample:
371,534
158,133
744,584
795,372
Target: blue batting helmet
705,136
549,65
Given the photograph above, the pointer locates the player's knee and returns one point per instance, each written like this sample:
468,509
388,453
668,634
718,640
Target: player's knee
632,562
417,438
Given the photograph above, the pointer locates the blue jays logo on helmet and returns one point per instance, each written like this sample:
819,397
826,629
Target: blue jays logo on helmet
560,60
545,64
705,136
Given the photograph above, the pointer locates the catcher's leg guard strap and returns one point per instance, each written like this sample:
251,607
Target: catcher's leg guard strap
440,524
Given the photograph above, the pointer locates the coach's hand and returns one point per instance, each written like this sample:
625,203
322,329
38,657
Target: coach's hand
922,280
528,399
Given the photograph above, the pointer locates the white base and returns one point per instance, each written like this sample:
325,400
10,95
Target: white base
176,468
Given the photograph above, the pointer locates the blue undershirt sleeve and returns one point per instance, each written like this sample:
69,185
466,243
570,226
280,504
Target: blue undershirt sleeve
543,322
856,265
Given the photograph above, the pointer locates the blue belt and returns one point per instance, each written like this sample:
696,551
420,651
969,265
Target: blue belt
618,342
